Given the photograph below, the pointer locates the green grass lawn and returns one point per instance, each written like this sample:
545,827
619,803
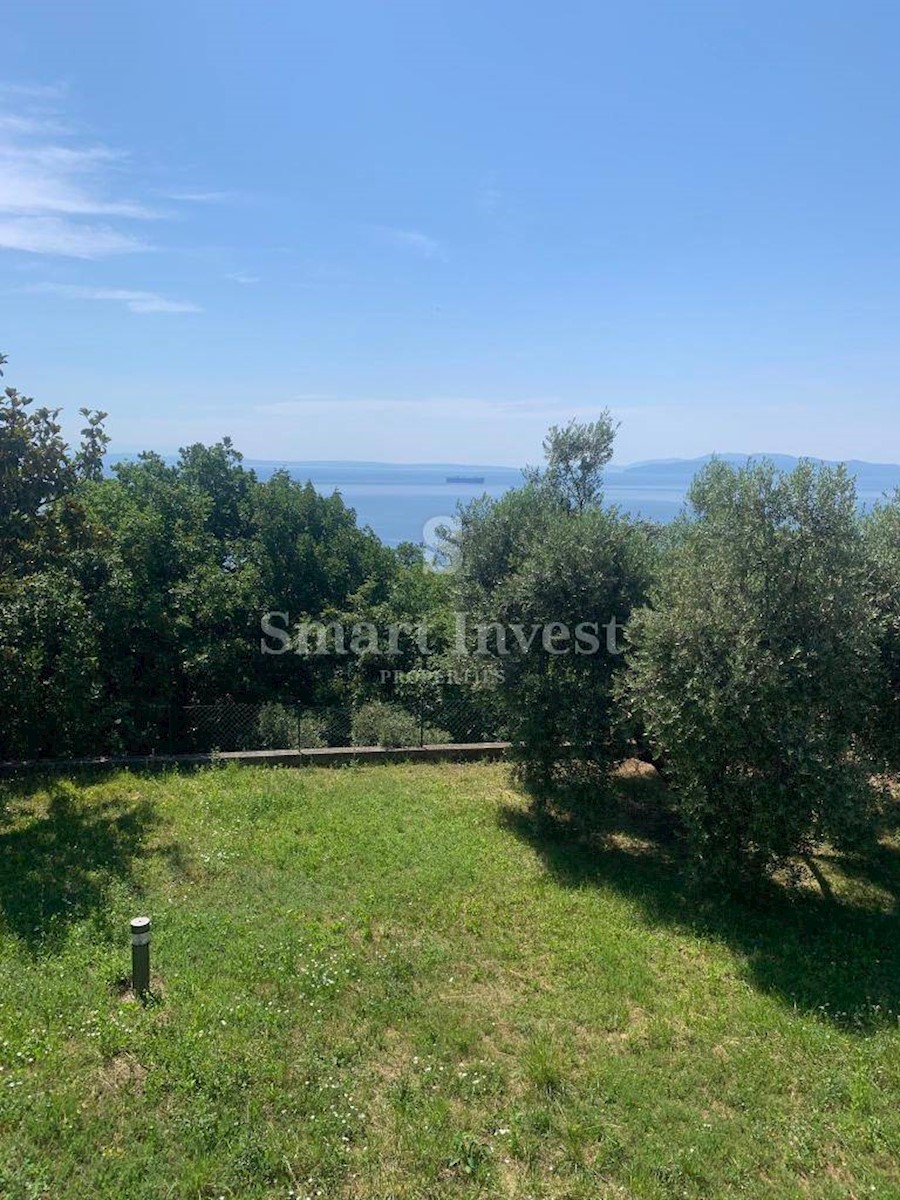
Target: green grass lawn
389,982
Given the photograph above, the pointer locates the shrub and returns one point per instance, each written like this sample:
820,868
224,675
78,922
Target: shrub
381,724
276,727
433,735
281,727
752,674
311,732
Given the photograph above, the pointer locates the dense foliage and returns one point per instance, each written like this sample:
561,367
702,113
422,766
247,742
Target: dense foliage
125,600
881,531
551,585
753,673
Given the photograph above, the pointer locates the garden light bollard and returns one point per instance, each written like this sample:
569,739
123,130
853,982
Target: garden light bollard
140,955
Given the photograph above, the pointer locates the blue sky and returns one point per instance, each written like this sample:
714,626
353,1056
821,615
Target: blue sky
420,231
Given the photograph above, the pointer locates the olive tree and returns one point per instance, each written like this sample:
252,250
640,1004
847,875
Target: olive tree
576,456
546,578
882,541
752,673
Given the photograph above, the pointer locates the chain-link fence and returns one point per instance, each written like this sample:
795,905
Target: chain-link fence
423,710
286,725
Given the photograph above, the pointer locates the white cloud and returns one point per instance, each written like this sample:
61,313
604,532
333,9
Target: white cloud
60,195
55,185
74,239
490,197
63,180
199,197
136,302
13,124
34,91
242,277
413,239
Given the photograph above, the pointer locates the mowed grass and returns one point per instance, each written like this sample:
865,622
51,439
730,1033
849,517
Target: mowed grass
384,982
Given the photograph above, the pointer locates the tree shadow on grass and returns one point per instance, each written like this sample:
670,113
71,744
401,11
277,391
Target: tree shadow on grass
840,959
59,860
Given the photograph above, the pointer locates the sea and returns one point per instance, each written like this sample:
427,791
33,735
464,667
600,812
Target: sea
408,502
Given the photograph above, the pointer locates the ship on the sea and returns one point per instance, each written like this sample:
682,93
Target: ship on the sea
465,479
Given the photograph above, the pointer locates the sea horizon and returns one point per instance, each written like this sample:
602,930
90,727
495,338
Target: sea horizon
401,502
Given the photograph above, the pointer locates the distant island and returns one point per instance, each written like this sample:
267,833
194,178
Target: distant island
465,479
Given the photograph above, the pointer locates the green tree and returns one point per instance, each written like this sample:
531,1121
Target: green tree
576,457
37,473
52,702
51,694
881,530
752,674
94,440
550,576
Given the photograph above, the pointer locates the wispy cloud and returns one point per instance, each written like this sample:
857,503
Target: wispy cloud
11,123
242,277
33,92
57,189
37,179
61,195
51,235
490,197
136,302
413,240
199,197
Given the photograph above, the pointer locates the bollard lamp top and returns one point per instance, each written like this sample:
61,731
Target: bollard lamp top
140,931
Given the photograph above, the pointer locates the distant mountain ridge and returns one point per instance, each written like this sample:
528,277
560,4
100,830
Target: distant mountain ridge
670,473
784,461
400,501
871,478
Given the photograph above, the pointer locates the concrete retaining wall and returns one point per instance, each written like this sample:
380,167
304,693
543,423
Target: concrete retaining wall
329,757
